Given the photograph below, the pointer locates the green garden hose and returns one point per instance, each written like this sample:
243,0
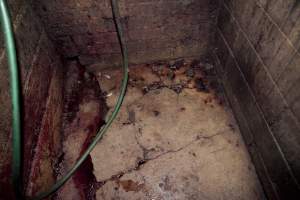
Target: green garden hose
15,94
15,99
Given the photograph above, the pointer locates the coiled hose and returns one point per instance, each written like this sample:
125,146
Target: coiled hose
15,90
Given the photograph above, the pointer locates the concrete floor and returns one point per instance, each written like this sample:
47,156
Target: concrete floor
174,139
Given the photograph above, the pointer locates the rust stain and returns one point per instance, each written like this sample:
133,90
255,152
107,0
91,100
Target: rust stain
130,185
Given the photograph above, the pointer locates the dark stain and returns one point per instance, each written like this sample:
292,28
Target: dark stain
177,64
136,81
131,116
193,154
231,126
85,179
130,185
202,74
195,64
141,162
200,85
171,75
57,163
153,86
190,73
156,113
208,100
249,167
177,88
44,8
182,109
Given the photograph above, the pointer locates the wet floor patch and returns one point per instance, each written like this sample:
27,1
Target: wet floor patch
174,138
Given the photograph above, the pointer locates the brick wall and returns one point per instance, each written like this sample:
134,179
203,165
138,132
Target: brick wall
155,29
41,73
259,59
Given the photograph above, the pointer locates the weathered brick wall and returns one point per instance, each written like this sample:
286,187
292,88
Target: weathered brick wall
41,73
154,29
259,54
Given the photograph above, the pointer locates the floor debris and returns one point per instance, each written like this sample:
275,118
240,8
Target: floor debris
176,64
200,85
172,139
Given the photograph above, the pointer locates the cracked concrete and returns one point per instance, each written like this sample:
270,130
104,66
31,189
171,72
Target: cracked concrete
166,144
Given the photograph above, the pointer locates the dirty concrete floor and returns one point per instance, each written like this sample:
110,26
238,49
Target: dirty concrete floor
174,138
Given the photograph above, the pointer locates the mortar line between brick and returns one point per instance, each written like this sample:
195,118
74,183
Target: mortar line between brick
280,30
34,59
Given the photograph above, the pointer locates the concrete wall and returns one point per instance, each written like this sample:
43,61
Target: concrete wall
259,60
155,29
41,73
